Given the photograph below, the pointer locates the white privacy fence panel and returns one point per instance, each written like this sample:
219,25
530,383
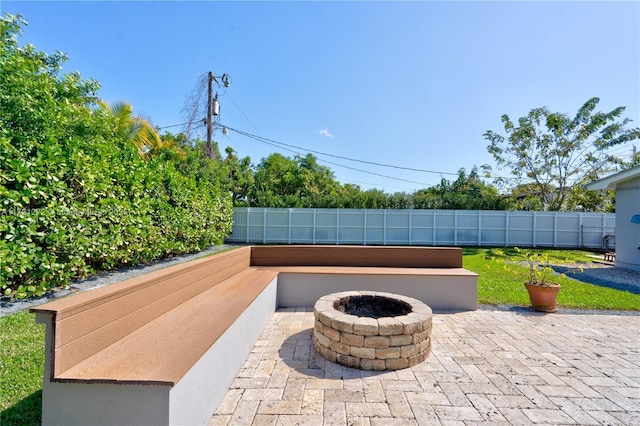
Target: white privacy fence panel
423,227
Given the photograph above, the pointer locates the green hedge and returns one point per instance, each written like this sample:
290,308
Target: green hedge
76,197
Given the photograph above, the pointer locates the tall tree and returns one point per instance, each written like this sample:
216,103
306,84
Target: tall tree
293,182
237,177
467,192
275,183
555,153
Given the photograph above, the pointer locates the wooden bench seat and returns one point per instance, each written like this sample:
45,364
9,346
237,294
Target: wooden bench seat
163,348
433,275
90,322
149,350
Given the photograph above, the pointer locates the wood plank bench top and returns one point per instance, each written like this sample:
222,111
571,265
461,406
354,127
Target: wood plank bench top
152,329
370,270
361,260
163,350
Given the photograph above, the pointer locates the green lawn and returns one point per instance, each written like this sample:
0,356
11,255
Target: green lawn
501,282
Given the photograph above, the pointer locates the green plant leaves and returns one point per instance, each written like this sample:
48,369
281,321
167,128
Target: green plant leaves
75,195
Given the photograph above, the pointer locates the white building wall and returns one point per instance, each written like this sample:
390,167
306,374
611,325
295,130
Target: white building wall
627,233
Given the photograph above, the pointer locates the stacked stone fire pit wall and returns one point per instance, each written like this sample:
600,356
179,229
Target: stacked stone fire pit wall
386,343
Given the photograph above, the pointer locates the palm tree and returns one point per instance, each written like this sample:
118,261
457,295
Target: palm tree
134,129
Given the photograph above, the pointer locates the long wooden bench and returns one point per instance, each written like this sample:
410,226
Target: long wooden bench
432,275
164,347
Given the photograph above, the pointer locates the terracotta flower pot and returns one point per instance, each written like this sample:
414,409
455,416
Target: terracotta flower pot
543,297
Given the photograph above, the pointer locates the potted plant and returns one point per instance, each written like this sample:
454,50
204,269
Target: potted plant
542,293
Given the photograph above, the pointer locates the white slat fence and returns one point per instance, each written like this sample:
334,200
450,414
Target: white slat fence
477,228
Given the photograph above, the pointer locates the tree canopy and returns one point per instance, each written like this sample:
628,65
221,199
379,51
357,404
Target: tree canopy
280,181
467,192
300,182
554,154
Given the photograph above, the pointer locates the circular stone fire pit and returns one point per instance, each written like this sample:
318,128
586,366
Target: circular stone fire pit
372,330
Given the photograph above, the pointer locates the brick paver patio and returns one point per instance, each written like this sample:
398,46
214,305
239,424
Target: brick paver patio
488,366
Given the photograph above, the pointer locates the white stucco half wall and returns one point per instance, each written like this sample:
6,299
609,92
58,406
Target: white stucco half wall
444,291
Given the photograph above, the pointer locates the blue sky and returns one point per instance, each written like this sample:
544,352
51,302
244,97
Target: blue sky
411,84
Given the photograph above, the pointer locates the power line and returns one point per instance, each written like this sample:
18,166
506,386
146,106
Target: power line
281,144
260,138
376,174
377,185
173,125
324,161
618,150
329,162
240,149
241,112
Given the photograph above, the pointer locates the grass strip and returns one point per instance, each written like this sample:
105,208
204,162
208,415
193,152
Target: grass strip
21,369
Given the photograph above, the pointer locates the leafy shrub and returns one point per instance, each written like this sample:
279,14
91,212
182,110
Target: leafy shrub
75,194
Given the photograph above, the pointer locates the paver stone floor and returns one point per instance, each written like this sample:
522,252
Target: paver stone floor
490,366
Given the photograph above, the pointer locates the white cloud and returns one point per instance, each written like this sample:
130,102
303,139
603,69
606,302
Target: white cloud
327,133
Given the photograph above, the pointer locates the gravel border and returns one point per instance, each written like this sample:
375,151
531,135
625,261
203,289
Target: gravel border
603,275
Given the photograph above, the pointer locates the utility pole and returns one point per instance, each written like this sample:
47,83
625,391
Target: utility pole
209,147
213,109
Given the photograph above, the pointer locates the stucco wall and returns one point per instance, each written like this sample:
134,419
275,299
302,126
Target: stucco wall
438,291
627,233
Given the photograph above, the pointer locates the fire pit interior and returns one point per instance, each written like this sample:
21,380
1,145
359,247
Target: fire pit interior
373,306
372,330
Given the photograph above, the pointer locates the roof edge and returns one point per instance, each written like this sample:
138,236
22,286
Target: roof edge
610,182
